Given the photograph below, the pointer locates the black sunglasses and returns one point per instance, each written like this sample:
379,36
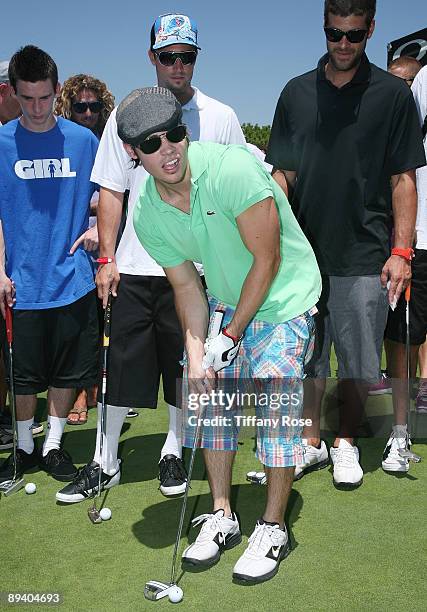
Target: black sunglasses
81,107
168,58
153,143
353,36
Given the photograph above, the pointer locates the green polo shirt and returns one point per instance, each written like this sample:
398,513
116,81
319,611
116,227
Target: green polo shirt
226,181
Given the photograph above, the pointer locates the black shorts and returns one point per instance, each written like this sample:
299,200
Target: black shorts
396,324
145,343
55,347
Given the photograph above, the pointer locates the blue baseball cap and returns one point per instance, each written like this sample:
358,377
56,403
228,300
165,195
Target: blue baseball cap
172,29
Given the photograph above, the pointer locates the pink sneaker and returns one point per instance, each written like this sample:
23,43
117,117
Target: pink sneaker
382,386
421,401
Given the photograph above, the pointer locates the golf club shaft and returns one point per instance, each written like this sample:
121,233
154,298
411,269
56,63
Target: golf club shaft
217,319
105,346
408,362
9,335
184,501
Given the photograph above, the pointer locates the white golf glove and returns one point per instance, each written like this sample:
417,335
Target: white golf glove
220,351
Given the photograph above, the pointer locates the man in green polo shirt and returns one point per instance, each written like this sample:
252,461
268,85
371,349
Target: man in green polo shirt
216,205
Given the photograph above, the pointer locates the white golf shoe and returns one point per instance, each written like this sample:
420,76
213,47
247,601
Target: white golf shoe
267,546
312,460
392,461
347,471
218,533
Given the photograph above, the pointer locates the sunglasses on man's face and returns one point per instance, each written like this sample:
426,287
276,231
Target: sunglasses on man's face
168,58
354,36
81,107
153,143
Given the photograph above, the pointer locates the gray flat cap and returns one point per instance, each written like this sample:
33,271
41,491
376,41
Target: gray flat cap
145,111
4,75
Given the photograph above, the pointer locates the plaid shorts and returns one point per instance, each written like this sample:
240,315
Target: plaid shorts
262,387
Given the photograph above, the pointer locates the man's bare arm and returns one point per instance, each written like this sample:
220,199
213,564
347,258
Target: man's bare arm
286,179
191,306
193,312
259,228
7,289
108,220
404,200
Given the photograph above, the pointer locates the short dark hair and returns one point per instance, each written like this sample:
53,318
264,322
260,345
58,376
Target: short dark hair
32,64
152,37
345,8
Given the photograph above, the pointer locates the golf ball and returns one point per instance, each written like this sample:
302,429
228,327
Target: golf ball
30,488
175,594
105,514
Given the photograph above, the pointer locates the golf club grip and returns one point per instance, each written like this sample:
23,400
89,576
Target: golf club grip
217,318
107,321
408,292
9,326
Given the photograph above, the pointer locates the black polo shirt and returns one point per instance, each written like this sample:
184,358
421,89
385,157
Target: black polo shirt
344,145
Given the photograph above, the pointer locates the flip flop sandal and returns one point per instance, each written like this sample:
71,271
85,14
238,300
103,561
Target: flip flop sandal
79,412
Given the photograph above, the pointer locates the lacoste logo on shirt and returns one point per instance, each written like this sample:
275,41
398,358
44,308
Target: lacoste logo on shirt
43,168
210,212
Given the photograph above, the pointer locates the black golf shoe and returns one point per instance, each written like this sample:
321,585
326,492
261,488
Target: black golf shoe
172,476
85,484
6,439
59,465
24,462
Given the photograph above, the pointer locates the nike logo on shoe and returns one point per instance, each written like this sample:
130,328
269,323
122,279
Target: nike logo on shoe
274,552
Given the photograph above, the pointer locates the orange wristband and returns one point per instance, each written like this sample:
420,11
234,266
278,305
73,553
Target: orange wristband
408,254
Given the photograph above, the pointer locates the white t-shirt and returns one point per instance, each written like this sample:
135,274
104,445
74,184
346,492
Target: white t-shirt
206,119
419,89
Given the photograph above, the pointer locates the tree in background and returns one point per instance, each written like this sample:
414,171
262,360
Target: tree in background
258,135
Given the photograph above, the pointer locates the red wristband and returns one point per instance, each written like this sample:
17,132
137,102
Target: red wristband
105,260
408,254
226,333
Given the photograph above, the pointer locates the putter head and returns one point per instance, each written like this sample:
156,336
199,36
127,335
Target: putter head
12,486
405,453
93,514
155,590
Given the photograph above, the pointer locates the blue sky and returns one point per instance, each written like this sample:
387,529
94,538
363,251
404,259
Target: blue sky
249,49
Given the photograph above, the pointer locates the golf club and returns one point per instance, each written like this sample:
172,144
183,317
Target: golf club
154,589
14,485
406,452
93,511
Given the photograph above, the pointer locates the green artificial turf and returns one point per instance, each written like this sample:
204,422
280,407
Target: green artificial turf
360,550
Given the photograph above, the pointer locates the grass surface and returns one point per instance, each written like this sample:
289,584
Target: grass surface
360,550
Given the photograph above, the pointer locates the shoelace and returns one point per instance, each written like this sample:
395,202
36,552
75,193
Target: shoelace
171,468
19,460
346,456
4,433
84,476
212,523
56,455
400,442
261,540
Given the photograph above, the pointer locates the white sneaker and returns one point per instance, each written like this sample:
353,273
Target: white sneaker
347,472
218,533
267,546
392,461
313,459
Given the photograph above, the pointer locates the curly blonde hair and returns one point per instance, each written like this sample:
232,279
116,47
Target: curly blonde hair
73,86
